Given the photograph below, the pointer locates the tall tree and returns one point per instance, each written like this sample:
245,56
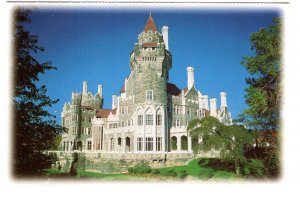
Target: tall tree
263,95
35,128
264,92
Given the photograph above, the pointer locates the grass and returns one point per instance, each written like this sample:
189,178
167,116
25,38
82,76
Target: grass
53,173
201,169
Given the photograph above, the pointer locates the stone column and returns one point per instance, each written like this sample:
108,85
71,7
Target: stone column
155,131
123,142
189,144
178,143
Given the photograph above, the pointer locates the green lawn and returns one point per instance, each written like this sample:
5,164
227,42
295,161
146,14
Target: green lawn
201,171
56,174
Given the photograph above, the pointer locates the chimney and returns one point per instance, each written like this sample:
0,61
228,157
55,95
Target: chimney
114,101
213,107
100,90
223,99
165,32
85,87
190,77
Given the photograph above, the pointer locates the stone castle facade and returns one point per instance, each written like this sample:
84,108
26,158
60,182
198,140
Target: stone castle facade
150,116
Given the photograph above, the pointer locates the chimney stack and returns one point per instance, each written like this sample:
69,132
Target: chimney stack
114,101
85,87
190,77
100,90
213,107
165,32
223,99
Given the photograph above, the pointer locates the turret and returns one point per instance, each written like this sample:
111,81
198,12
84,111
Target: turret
190,77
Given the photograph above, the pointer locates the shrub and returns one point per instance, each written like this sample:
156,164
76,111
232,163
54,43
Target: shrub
254,168
182,174
130,170
155,171
168,172
142,170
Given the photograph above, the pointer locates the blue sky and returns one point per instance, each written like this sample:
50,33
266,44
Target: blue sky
94,45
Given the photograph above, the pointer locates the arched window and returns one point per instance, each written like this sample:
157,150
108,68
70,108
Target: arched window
149,117
174,143
111,144
127,144
140,118
158,118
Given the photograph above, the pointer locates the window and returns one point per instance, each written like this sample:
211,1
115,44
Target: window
89,145
149,95
113,125
111,144
88,131
90,119
74,118
149,144
123,123
74,107
149,119
158,144
124,110
153,48
140,144
188,110
128,122
177,123
82,130
158,119
140,120
74,130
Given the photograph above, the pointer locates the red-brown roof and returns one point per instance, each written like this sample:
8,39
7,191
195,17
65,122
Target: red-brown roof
103,113
149,44
123,89
173,89
150,25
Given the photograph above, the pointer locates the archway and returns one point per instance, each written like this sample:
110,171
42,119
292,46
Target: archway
79,145
184,143
119,144
127,144
111,144
174,143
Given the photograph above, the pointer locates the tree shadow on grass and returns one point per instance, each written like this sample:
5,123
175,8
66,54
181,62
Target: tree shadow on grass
217,164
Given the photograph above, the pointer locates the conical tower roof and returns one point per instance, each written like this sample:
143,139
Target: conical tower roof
150,25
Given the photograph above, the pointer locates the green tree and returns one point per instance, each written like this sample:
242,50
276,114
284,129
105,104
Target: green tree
230,141
263,95
264,92
35,128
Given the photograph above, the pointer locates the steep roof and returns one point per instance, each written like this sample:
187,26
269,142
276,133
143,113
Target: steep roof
103,113
173,89
150,25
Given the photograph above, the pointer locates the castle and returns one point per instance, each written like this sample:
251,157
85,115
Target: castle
149,116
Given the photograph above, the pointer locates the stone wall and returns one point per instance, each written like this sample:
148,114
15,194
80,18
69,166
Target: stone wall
119,162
